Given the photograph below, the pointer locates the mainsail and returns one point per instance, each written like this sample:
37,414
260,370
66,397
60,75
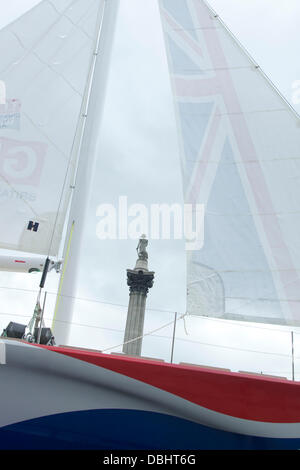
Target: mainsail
45,61
240,148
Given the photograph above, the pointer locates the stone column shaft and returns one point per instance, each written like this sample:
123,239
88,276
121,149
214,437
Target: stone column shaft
139,281
135,323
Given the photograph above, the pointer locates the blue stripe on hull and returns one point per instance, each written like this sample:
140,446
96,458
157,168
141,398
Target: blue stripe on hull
127,429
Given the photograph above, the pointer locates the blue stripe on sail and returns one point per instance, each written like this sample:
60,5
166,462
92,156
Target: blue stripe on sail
194,119
127,429
182,64
232,244
180,12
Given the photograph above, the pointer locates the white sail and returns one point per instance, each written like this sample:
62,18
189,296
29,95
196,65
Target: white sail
45,57
240,148
89,150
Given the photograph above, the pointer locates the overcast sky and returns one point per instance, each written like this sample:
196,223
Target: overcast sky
139,137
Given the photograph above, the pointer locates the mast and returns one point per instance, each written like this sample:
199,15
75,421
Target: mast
88,150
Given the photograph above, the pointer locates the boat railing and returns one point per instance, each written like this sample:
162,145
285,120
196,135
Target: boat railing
267,350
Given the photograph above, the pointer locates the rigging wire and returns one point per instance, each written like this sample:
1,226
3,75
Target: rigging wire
229,322
151,333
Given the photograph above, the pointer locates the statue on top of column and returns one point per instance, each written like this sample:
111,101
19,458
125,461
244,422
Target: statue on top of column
141,248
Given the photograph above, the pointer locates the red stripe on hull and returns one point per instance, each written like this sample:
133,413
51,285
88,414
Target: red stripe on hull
246,397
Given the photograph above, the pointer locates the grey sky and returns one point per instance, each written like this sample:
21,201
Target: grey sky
139,138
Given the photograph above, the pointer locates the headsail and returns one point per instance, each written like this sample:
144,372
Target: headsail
240,148
45,60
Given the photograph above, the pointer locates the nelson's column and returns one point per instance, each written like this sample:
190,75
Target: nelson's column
139,280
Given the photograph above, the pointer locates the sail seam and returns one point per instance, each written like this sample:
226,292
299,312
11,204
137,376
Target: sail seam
57,73
268,80
77,25
46,65
40,130
37,41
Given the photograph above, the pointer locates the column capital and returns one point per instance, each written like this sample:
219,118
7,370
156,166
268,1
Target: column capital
139,281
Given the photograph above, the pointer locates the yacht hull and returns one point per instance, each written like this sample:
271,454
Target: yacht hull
60,398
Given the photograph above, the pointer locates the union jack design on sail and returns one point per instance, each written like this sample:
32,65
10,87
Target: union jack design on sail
240,157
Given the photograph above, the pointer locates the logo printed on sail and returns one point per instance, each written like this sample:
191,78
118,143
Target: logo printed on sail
22,162
33,226
10,114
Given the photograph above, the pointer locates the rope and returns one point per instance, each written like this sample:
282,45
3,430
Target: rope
143,336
